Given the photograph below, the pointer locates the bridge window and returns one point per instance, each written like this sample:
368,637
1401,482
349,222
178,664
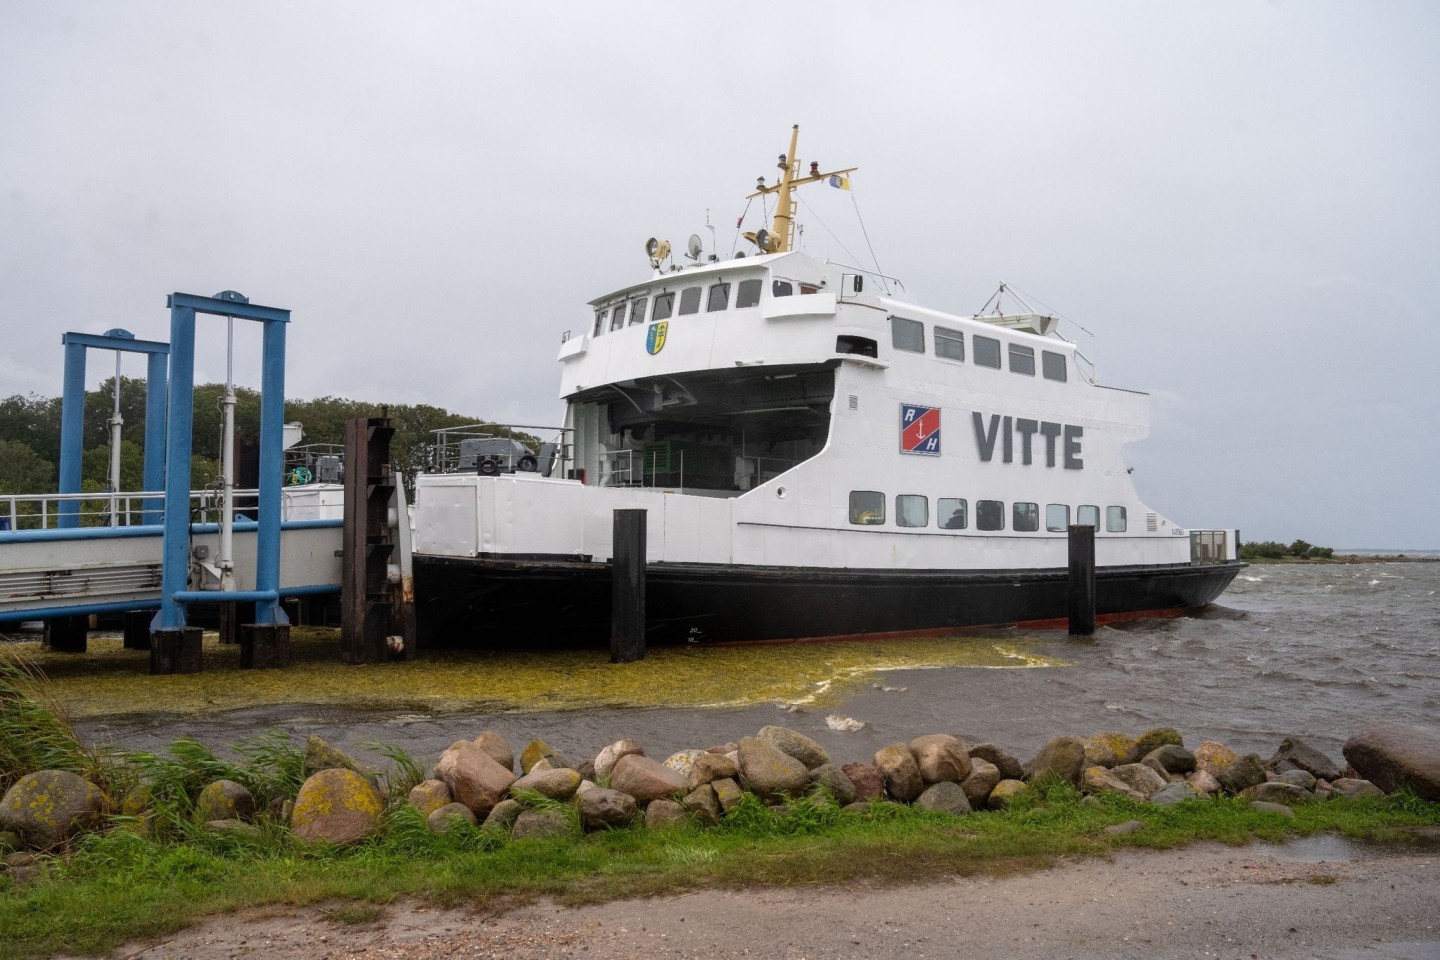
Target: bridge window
719,298
617,316
989,515
637,310
912,510
1114,519
1057,517
987,352
781,288
1027,517
1022,359
748,295
950,513
949,344
690,301
1052,365
867,507
1088,515
907,335
599,322
664,306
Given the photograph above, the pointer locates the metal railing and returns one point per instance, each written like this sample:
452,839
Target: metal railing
552,446
1209,546
42,511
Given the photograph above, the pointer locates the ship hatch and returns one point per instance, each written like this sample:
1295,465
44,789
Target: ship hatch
725,431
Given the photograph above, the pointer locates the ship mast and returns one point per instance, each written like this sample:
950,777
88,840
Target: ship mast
781,238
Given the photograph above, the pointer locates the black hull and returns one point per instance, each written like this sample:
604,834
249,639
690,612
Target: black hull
523,603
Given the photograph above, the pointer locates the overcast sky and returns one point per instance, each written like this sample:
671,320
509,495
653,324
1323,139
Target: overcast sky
1240,201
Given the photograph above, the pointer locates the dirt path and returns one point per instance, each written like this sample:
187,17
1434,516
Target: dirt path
1317,898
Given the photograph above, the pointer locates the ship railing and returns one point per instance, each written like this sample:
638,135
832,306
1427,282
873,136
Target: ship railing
641,468
50,511
850,289
1209,546
552,448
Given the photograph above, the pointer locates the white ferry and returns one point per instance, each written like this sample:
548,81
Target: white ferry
817,458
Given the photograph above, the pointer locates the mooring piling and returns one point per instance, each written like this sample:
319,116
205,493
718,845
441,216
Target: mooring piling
1082,580
627,587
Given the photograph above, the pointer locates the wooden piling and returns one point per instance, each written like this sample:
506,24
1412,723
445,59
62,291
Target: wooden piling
627,590
1082,580
176,650
137,629
67,634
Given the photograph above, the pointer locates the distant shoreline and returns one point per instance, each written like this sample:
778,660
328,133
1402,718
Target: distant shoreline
1344,558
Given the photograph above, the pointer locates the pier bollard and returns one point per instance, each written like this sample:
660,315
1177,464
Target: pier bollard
67,634
1082,580
627,587
264,646
137,629
176,651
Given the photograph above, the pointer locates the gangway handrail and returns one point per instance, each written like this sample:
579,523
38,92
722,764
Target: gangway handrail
118,510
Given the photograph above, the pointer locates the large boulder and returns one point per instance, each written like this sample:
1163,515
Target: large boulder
48,807
832,781
430,795
1354,789
795,744
1278,791
941,758
1108,749
868,780
1005,793
1156,737
473,776
606,759
710,767
224,800
944,796
1204,782
901,773
1173,793
1100,780
1295,754
1394,755
498,747
1139,777
645,779
664,813
1007,763
537,750
1170,760
728,793
447,817
1062,758
559,783
683,762
703,803
321,755
544,824
770,772
1246,771
1212,757
337,806
602,808
982,779
502,816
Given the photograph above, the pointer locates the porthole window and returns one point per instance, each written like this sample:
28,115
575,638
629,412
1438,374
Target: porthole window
1088,515
1057,517
950,513
1022,359
949,344
1053,365
912,510
1026,517
907,335
719,298
748,293
989,515
1114,519
690,301
987,352
664,306
637,310
867,507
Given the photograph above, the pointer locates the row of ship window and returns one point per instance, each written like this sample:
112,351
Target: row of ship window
867,508
716,297
909,336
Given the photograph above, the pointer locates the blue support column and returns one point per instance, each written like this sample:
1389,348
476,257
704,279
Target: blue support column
155,382
179,421
72,426
272,465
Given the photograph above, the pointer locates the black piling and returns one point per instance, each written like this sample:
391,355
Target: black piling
1082,580
264,646
67,634
176,650
627,588
137,629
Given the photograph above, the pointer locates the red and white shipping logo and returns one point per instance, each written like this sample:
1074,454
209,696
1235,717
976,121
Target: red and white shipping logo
919,429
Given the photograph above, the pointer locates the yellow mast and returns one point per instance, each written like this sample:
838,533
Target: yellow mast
781,239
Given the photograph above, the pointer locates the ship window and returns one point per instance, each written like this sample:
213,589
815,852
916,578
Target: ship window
949,344
781,288
1088,515
637,310
617,317
719,298
749,293
989,515
1057,517
912,510
689,301
664,306
599,322
1022,359
1114,519
1027,517
950,513
987,352
1052,365
864,346
867,506
907,335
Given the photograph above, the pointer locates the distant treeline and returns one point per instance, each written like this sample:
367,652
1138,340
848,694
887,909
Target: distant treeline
30,433
1270,550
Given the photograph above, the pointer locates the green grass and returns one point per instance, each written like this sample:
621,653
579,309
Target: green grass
120,886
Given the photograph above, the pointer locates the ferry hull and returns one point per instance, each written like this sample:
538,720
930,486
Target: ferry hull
523,603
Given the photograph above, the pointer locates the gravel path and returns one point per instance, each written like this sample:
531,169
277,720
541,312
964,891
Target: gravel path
1316,898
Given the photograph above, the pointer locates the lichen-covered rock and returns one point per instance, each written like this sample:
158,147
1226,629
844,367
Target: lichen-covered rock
1108,749
603,808
1295,754
447,817
729,794
1212,757
1007,763
1156,737
224,800
1062,758
430,795
832,781
710,767
683,762
1005,793
337,806
502,816
1245,772
1173,793
1278,791
48,807
606,759
982,779
795,744
900,771
941,758
1303,779
1204,782
321,755
1100,780
1394,755
944,796
232,827
537,750
544,824
703,803
1270,806
1169,759
770,772
1355,789
557,783
1139,777
664,813
498,748
869,782
473,776
645,779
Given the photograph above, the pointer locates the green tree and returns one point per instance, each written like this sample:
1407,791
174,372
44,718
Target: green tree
22,470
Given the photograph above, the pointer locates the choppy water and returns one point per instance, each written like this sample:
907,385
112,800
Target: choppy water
1309,650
